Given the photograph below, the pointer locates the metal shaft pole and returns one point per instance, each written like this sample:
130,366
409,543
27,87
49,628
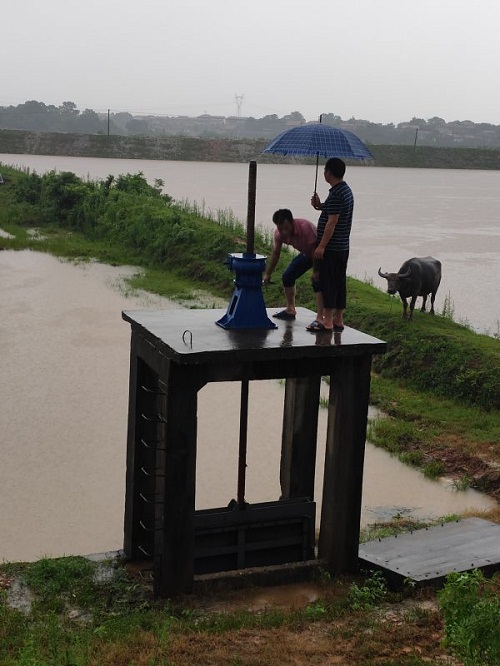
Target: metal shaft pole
242,453
252,188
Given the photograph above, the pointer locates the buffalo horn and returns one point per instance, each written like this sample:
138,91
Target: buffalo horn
384,275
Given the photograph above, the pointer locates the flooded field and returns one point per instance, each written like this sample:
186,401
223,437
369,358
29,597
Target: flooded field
64,401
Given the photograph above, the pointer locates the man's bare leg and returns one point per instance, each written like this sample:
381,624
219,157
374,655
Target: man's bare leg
331,317
290,300
338,318
328,318
320,310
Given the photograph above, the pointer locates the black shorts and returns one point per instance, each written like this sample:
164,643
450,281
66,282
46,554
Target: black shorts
333,279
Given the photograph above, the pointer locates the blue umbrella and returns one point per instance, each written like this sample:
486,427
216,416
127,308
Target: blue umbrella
318,139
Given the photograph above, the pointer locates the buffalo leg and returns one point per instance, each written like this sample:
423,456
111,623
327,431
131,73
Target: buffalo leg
424,301
405,306
412,305
433,298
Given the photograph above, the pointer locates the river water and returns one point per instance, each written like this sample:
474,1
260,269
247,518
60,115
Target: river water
63,418
451,214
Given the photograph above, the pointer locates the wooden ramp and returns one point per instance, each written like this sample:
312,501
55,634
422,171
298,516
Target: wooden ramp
429,555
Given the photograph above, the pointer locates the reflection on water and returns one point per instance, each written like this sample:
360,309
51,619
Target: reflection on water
64,401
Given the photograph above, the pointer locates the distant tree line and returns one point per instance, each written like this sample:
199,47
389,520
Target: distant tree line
39,117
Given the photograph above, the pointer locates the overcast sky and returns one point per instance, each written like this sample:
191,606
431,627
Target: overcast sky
381,60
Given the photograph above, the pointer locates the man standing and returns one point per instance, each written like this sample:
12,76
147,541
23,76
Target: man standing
301,235
332,251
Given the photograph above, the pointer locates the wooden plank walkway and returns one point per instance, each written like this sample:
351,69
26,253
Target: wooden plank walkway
429,555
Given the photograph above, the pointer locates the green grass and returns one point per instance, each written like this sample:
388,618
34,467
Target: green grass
462,484
371,593
433,469
83,608
417,421
163,283
440,413
96,613
78,611
400,525
432,354
471,606
77,605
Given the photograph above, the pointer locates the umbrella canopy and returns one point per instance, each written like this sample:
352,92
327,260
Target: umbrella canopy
318,139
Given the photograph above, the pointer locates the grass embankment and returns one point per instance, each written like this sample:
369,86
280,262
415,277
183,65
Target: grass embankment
72,612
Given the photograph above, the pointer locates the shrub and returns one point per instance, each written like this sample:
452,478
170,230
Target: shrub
374,590
471,607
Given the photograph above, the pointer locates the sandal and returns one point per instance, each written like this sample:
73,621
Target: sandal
315,326
284,315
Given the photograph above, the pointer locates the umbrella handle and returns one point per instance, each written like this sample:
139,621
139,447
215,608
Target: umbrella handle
316,178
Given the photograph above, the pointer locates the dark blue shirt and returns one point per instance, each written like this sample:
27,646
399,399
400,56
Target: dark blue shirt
340,201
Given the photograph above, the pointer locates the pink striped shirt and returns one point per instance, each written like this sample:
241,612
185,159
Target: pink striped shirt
303,238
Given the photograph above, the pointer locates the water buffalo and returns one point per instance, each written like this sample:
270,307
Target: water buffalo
419,276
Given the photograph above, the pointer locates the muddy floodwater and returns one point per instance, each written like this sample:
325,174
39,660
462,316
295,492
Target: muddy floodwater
64,400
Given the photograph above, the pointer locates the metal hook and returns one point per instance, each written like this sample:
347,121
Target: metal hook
152,445
155,473
152,391
190,340
147,500
157,418
143,550
146,574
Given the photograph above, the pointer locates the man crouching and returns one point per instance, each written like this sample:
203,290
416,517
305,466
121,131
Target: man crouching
301,235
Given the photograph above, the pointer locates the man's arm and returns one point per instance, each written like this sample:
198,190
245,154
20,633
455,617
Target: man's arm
272,263
327,234
316,202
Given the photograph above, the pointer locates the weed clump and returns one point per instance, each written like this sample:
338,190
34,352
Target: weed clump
471,607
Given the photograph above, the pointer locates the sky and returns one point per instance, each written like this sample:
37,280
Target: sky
379,60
